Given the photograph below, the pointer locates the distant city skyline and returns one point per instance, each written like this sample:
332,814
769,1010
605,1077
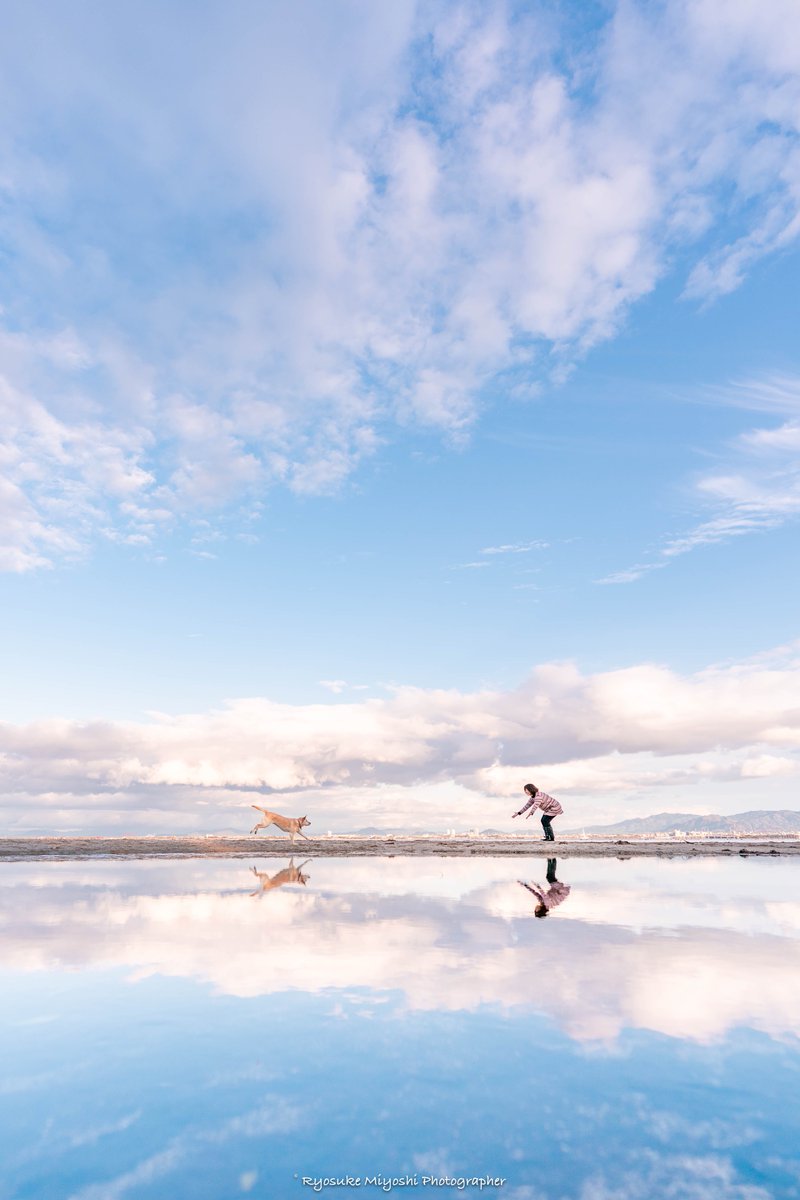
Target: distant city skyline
398,403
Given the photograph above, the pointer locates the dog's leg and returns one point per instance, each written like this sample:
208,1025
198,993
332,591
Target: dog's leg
265,824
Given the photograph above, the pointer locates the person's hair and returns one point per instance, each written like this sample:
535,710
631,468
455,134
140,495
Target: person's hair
531,789
541,910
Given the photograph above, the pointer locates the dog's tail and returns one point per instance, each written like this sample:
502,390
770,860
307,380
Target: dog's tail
256,807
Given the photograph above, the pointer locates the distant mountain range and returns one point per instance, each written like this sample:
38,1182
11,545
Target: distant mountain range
781,820
761,821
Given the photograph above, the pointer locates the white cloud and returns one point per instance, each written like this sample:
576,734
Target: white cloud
772,393
761,766
334,685
631,574
515,548
758,490
632,732
785,438
383,209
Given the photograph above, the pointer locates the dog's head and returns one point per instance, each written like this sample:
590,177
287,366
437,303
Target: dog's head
304,821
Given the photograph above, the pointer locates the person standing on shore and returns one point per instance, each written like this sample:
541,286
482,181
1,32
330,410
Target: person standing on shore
548,806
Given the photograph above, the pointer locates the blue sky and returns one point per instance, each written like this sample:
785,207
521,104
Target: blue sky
398,402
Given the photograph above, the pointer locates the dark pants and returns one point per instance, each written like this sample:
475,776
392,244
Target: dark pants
547,826
551,870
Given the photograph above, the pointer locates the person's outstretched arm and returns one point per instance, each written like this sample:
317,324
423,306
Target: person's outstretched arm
533,800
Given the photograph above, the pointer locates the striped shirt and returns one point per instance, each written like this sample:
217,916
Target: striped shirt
548,804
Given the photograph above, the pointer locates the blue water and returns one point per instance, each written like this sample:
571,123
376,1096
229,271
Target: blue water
168,1033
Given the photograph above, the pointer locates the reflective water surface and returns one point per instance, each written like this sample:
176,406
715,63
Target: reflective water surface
601,1030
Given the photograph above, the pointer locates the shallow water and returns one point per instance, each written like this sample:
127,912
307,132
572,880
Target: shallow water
192,1029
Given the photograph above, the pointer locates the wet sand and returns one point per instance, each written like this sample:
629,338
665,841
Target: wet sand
352,846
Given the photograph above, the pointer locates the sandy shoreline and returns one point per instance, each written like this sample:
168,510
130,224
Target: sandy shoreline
44,848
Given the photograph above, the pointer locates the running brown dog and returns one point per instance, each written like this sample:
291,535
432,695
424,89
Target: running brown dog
290,825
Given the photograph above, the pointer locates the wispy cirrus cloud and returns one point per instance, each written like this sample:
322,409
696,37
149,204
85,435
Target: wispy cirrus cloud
631,574
760,488
495,553
515,548
772,392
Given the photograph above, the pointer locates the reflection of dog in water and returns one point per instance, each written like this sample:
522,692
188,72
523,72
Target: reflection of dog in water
290,825
290,874
556,893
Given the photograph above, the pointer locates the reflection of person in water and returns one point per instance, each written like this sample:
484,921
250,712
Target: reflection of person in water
290,874
548,806
555,894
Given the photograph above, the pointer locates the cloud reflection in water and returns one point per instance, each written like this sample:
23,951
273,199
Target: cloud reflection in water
171,1028
697,951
